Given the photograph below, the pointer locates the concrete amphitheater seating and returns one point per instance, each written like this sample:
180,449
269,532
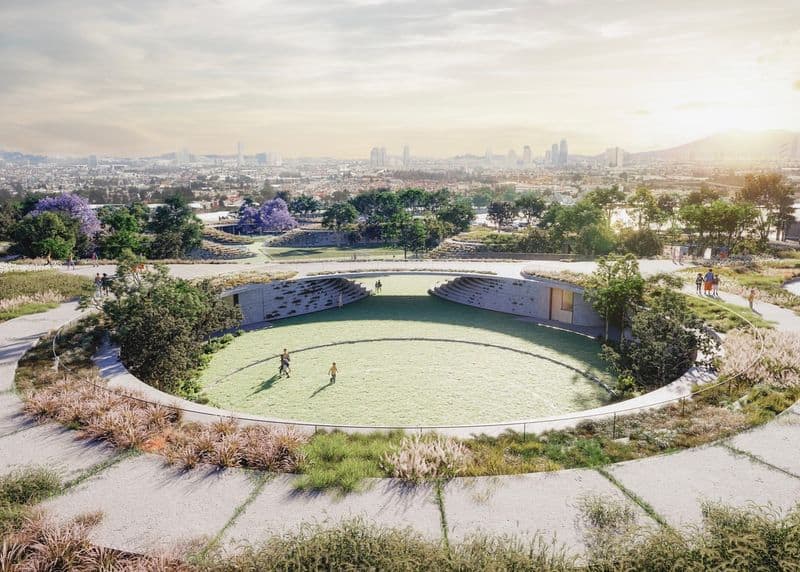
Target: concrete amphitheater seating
276,300
307,238
529,298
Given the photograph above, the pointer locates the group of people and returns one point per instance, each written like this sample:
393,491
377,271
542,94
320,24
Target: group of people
285,367
102,283
378,286
708,284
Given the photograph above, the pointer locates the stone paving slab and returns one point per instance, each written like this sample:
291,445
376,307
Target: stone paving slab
149,506
676,485
384,502
52,446
12,417
777,442
523,505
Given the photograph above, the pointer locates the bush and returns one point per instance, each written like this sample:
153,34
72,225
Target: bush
778,365
643,242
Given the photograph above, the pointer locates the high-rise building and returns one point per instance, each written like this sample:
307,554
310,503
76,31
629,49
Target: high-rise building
487,156
554,154
615,157
91,162
406,157
511,158
261,158
548,157
383,161
239,154
377,157
527,156
562,152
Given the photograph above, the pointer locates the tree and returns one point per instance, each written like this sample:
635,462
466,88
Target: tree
339,215
51,234
274,215
606,199
665,339
406,232
531,206
771,193
644,204
74,207
413,199
482,197
163,323
595,239
614,288
304,205
10,215
501,213
459,214
176,229
644,242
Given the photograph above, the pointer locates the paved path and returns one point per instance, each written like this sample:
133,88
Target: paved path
147,505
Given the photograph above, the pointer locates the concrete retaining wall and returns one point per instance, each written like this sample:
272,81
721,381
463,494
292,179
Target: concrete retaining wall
522,297
276,300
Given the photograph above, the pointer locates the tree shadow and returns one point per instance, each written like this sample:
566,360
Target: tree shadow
267,384
321,389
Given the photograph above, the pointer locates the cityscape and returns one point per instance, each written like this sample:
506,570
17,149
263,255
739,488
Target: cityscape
380,285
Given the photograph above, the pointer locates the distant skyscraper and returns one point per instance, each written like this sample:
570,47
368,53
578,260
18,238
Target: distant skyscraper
554,154
511,158
239,154
377,157
562,153
527,156
92,161
406,157
548,157
615,157
261,158
382,157
488,156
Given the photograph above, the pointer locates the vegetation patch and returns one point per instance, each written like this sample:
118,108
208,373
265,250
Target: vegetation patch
24,293
21,489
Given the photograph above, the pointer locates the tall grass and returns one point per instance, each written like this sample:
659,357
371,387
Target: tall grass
19,490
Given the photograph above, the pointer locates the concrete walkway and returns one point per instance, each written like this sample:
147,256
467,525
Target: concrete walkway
147,505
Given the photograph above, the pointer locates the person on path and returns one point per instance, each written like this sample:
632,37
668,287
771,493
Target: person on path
752,298
715,286
94,258
70,263
98,282
708,282
698,282
380,286
332,372
48,261
105,282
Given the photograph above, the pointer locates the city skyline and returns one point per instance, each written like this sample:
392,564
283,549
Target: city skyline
336,78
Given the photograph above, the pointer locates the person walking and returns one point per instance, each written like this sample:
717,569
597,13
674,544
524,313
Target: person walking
105,282
94,258
70,263
98,283
48,261
285,368
332,372
708,282
752,298
715,286
698,283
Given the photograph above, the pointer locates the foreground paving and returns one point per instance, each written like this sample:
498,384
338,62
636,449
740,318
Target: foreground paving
146,505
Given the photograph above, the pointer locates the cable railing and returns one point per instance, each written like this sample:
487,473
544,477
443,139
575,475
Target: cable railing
526,426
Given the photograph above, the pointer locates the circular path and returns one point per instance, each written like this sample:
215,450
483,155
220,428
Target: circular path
147,506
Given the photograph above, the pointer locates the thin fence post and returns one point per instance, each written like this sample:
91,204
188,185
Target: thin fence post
614,427
524,432
683,407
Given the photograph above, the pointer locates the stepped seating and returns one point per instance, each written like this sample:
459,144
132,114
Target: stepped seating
455,249
278,300
510,296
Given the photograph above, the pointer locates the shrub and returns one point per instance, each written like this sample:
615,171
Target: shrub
420,458
777,365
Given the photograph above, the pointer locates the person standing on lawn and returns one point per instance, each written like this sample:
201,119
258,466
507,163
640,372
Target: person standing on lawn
332,372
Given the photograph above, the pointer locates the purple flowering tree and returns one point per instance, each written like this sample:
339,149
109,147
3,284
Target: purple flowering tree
74,207
274,215
248,219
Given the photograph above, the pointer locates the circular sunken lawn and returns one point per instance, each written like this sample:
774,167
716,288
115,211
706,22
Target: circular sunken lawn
407,358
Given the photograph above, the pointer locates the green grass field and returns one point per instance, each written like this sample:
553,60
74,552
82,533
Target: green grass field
407,358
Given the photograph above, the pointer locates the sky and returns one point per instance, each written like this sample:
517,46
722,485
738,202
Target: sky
337,77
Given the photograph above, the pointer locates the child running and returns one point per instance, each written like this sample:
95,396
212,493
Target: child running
285,368
332,372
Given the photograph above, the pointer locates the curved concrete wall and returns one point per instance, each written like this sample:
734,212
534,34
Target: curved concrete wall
283,299
541,299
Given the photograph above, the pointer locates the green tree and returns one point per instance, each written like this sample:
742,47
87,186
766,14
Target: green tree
413,199
304,205
51,234
531,206
595,239
458,213
163,323
501,213
775,199
176,229
614,289
643,203
339,215
606,199
644,242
